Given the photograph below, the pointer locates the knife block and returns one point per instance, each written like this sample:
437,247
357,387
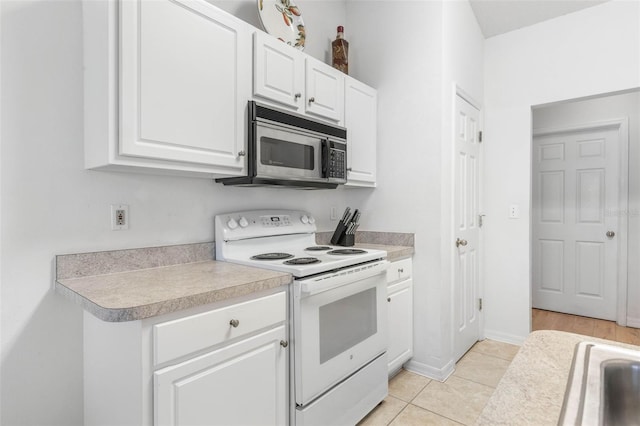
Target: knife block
347,240
339,233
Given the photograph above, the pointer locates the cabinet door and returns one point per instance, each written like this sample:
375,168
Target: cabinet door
278,72
184,83
324,91
244,383
360,118
400,304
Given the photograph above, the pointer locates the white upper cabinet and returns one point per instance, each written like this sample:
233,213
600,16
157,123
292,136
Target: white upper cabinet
324,90
360,115
167,84
289,78
279,72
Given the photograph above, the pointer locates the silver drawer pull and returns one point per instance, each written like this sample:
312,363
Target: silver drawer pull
234,323
284,343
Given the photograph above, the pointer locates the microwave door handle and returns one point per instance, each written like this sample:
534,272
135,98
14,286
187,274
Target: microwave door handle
325,158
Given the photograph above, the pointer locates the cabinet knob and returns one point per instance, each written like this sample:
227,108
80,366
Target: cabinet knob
611,234
297,96
242,154
349,169
284,343
312,99
400,270
460,242
234,323
388,299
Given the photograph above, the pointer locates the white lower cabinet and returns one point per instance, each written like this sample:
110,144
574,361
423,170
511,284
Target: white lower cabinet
222,364
400,312
240,384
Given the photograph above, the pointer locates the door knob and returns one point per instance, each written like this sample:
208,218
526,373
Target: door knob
611,234
460,242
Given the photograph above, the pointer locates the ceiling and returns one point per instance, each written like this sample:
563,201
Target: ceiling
501,16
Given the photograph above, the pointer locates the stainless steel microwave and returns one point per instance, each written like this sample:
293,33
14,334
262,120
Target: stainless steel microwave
286,149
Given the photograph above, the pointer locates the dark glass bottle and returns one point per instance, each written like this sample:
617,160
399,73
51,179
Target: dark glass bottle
340,52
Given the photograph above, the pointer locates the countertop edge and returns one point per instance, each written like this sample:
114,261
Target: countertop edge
171,304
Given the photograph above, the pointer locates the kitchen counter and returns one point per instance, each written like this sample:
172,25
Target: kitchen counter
139,294
531,392
134,284
393,252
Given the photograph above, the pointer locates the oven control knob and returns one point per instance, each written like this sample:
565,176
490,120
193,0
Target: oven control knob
304,219
312,220
232,224
243,222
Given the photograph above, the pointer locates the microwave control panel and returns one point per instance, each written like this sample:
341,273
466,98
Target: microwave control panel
335,164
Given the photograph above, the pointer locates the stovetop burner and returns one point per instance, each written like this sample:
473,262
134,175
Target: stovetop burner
272,256
302,261
318,248
347,252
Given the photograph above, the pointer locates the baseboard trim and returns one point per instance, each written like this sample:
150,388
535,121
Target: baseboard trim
439,374
504,337
633,322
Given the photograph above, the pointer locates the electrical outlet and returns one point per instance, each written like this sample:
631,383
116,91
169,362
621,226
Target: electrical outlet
333,215
514,211
119,217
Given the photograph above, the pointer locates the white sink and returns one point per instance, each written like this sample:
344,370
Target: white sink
603,387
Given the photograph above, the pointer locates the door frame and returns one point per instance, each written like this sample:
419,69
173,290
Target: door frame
458,91
622,126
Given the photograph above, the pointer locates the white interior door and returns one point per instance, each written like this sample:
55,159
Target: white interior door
575,222
467,229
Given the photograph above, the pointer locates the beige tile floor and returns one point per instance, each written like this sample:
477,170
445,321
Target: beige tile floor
417,400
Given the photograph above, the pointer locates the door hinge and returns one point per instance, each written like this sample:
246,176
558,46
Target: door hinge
480,136
480,304
480,220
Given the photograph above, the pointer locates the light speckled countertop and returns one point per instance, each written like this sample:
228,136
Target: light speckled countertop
531,392
129,285
135,295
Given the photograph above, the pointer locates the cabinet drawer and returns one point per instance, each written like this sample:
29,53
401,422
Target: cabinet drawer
399,270
183,336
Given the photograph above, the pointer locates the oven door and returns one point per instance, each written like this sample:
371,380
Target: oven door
287,153
339,326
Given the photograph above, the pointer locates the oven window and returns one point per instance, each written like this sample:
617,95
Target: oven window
347,322
275,152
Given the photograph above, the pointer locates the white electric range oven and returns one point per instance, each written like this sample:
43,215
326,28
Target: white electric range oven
338,306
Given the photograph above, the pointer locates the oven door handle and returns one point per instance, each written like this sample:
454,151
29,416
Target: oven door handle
309,287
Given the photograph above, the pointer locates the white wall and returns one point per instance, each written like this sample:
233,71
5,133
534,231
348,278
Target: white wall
398,50
413,65
593,51
605,108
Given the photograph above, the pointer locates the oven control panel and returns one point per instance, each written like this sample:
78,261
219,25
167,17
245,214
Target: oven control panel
262,223
275,221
